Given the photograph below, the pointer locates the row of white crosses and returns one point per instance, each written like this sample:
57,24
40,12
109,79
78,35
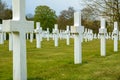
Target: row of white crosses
107,36
2,34
19,27
56,35
103,33
62,34
65,34
77,30
88,35
39,34
3,37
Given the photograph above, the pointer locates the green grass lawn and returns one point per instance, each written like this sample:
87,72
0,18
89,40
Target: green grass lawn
56,63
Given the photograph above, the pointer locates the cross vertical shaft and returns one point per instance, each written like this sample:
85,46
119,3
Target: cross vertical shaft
77,38
18,9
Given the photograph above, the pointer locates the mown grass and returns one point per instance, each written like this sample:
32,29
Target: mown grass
56,63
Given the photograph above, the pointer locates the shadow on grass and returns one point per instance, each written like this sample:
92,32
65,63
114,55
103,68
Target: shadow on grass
37,78
118,78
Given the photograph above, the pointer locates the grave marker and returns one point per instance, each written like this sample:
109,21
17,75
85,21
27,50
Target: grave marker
56,35
38,32
68,35
115,36
77,30
10,41
48,37
102,33
19,27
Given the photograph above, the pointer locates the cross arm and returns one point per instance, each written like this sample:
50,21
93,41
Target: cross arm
17,26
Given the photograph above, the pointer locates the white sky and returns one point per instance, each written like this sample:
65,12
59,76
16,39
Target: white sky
57,5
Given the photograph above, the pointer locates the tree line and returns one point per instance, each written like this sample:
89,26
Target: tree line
91,13
5,13
109,9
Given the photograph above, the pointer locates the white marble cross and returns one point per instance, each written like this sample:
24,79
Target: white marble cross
77,30
10,41
89,35
19,26
38,31
48,37
68,35
102,33
56,35
115,36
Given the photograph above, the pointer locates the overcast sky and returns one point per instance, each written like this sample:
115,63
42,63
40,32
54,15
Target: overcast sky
57,5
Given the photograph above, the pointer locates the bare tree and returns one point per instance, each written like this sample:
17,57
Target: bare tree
66,18
2,9
110,9
5,12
